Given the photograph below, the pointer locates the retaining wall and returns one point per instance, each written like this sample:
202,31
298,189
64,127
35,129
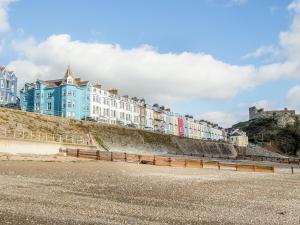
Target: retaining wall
35,147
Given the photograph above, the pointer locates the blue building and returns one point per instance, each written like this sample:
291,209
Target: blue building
8,87
67,97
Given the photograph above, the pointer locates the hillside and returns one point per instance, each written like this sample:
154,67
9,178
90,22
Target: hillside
267,133
114,138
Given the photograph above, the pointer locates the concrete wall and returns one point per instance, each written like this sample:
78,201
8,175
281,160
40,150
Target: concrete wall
32,147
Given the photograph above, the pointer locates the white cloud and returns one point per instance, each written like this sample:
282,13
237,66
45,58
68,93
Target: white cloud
262,104
145,72
293,96
263,51
4,24
224,119
140,71
288,52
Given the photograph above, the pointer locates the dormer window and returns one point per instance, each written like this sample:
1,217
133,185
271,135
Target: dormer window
70,80
69,76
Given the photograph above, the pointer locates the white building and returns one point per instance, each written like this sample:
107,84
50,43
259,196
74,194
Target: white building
108,107
149,116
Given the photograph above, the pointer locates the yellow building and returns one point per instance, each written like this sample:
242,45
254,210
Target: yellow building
239,138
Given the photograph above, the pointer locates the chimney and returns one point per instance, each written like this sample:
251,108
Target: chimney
77,80
125,96
113,91
98,86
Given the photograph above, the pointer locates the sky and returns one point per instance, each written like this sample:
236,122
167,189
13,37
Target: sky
212,59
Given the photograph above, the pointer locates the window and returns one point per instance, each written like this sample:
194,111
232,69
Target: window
113,113
69,93
74,93
25,98
69,104
37,106
49,96
2,83
49,106
122,115
70,80
37,96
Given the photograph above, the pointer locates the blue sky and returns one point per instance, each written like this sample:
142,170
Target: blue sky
210,58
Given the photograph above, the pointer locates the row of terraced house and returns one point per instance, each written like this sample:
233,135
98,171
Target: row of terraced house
72,98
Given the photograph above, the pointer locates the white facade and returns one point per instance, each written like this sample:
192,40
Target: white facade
149,123
113,109
110,108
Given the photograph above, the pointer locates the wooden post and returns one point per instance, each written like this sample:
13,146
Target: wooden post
97,154
139,158
154,161
185,163
201,163
125,156
77,152
170,160
219,167
292,170
111,156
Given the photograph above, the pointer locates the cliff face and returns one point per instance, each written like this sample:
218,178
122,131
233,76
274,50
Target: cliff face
134,140
115,138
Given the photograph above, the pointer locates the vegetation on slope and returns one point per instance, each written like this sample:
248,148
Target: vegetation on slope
266,132
112,137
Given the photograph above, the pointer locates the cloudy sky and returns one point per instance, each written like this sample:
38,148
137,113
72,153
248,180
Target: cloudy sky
209,58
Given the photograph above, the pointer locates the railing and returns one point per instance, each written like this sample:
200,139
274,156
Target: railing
21,134
165,161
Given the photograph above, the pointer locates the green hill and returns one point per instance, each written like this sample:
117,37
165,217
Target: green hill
267,133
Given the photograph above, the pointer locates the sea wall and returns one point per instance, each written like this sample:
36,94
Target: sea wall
114,138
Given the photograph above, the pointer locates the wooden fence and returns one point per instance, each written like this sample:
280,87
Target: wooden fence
286,160
165,161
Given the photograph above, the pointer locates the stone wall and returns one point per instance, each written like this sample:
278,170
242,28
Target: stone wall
283,117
